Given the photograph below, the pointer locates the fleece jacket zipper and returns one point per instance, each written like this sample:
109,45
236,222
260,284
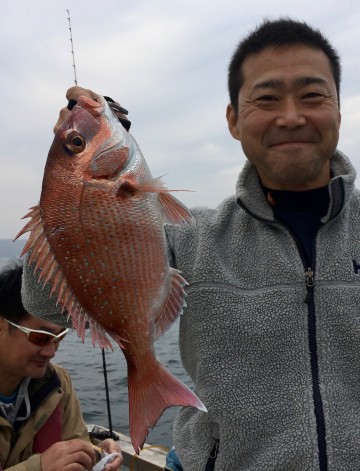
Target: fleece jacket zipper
312,339
318,406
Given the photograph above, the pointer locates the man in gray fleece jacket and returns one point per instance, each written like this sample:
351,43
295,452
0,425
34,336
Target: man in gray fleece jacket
271,334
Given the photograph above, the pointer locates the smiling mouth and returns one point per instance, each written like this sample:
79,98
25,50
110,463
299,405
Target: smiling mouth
290,143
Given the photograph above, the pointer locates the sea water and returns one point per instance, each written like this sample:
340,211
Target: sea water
85,365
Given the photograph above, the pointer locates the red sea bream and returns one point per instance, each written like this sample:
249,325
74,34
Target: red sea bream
97,236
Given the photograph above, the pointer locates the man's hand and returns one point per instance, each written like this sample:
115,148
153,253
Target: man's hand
70,455
78,455
111,446
73,94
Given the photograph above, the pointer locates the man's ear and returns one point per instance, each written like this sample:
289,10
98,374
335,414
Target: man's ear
232,120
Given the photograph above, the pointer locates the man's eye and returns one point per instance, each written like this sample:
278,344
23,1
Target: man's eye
266,98
313,96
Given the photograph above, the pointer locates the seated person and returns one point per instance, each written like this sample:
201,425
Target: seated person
41,424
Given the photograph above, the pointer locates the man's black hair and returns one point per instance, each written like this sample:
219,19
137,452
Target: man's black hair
11,306
279,33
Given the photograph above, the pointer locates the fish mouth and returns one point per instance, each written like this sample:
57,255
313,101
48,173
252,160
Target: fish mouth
93,109
111,157
84,119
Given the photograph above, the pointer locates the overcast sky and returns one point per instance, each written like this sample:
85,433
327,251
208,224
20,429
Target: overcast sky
166,62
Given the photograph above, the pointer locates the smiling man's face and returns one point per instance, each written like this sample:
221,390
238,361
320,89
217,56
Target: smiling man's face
288,117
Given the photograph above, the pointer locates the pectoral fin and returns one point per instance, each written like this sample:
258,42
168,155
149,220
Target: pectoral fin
174,212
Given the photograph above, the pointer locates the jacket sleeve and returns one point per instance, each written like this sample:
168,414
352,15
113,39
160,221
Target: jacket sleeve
32,464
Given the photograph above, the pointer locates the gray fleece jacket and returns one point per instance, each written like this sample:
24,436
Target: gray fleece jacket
274,355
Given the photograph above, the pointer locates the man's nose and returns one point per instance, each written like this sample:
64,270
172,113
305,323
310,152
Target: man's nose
49,349
291,114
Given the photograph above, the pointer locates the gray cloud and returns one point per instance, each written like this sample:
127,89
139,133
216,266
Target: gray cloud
164,61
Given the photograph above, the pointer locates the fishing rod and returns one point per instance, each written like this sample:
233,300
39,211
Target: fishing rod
101,434
72,47
110,434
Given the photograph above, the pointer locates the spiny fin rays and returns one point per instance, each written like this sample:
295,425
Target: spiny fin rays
174,304
51,273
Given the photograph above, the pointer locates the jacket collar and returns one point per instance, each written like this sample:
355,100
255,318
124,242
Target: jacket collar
250,196
39,390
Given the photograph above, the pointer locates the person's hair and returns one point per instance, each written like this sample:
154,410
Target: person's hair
11,306
280,32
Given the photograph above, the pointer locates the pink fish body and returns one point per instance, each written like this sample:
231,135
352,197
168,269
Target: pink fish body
97,237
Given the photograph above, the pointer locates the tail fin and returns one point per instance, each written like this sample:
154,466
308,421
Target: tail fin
151,391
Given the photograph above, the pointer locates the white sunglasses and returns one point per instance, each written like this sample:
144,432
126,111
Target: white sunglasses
40,337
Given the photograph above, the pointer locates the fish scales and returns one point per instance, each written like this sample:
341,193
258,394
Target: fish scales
97,237
100,272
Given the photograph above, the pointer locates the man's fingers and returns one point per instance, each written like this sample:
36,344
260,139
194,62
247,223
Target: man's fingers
73,93
72,96
71,454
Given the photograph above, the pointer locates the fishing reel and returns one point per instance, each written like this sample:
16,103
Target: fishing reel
99,434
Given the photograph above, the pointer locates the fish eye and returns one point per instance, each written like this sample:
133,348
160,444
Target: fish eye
74,143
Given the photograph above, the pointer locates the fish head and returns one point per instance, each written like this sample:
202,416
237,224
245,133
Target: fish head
91,144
